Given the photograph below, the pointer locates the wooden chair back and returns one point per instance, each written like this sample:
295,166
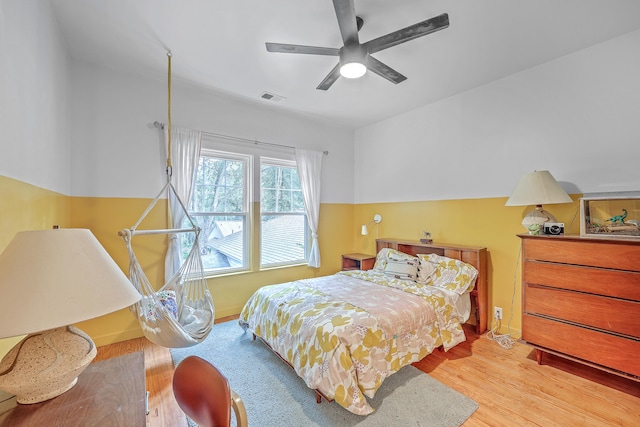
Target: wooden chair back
203,394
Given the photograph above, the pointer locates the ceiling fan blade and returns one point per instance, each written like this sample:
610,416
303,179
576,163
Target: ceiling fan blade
411,32
346,14
296,48
330,79
384,71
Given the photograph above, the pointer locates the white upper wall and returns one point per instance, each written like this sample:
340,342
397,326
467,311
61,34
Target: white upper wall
578,117
34,112
118,153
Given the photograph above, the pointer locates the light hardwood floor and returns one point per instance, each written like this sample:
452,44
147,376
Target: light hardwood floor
510,387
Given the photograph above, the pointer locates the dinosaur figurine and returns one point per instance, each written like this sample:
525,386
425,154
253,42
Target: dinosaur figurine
427,238
620,218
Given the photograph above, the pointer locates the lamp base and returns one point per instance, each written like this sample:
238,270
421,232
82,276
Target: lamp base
46,364
534,220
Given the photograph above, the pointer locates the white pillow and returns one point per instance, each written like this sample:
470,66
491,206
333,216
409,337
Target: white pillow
426,270
402,268
386,253
452,274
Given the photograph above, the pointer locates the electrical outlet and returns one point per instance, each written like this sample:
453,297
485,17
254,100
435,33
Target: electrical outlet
497,313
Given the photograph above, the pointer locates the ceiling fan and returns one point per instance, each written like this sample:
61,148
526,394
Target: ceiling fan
355,57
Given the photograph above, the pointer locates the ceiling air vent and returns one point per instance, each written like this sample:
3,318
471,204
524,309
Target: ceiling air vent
271,97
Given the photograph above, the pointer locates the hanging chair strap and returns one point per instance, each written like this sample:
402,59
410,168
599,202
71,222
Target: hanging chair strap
169,165
134,229
169,188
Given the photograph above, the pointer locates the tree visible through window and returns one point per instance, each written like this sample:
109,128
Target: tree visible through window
284,235
219,206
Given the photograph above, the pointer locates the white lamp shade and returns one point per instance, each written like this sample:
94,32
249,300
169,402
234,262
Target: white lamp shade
538,188
53,278
365,227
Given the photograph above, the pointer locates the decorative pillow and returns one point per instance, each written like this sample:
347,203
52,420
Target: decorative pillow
451,274
402,268
168,301
386,253
426,270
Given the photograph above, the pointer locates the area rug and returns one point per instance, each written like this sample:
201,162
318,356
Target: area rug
275,396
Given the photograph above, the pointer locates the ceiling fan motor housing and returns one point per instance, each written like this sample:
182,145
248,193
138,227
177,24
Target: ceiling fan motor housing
353,60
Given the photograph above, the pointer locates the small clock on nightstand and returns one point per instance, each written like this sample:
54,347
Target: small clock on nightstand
358,261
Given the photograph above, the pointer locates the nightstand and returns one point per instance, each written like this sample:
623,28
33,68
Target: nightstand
358,261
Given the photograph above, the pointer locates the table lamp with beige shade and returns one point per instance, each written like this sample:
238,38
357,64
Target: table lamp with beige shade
537,188
49,280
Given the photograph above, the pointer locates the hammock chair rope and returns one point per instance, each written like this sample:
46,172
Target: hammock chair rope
181,312
169,166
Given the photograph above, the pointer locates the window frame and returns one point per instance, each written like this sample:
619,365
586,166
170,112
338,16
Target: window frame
246,205
283,163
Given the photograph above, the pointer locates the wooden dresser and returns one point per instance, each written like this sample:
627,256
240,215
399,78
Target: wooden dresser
581,300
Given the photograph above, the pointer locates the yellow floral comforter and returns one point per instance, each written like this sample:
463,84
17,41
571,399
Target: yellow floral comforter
344,334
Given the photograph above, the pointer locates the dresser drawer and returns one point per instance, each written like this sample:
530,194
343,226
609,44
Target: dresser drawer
606,254
610,314
600,281
608,350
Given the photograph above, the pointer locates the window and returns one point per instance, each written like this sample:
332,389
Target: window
220,207
283,222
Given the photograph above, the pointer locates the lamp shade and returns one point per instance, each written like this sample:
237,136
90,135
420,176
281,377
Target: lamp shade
365,227
54,278
538,188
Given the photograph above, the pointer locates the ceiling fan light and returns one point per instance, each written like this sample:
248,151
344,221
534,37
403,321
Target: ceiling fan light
353,70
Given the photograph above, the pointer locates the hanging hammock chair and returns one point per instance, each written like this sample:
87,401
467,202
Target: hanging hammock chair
181,312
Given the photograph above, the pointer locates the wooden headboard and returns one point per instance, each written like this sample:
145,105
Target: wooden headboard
474,255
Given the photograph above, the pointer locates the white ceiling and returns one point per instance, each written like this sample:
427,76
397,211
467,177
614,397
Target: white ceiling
220,45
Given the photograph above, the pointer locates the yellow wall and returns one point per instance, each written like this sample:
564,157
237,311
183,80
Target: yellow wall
475,222
478,222
105,216
25,207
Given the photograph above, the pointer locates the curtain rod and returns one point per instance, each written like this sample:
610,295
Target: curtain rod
160,125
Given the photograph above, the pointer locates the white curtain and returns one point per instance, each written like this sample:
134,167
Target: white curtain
185,154
309,169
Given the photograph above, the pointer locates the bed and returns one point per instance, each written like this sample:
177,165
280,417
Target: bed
344,334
